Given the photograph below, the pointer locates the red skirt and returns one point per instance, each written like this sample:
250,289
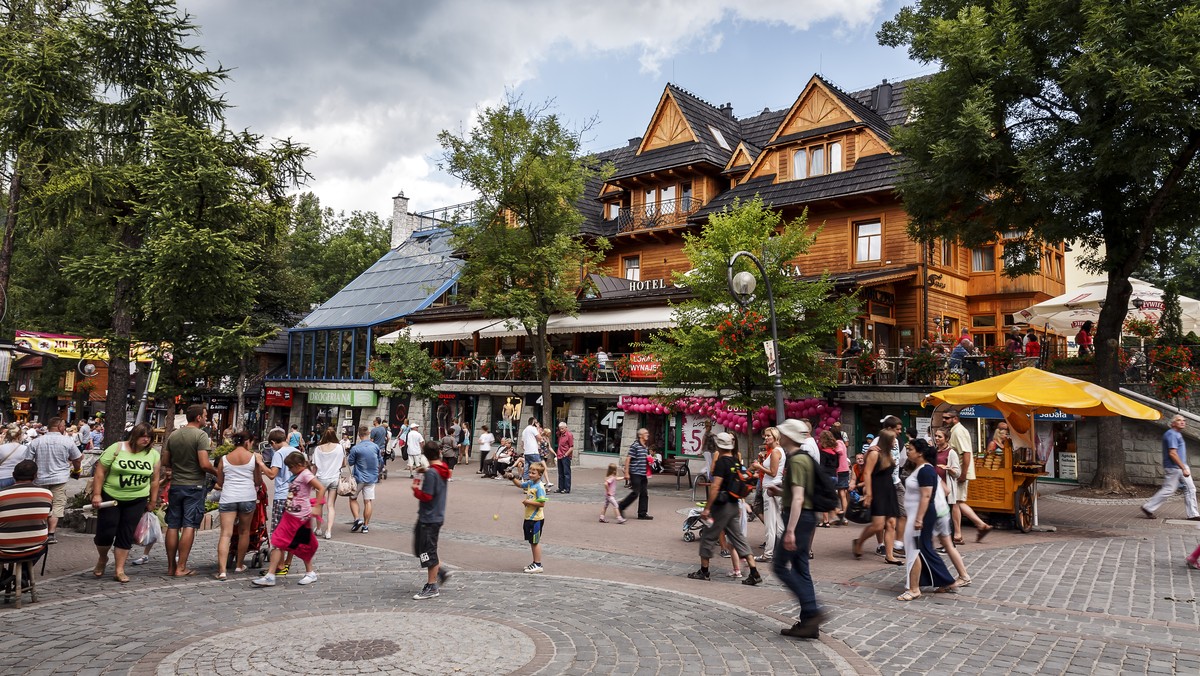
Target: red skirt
285,532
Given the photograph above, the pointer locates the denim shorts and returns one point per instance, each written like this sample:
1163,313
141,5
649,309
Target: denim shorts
185,506
843,480
244,507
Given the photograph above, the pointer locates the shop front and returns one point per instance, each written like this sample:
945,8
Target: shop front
1054,434
278,402
603,421
342,408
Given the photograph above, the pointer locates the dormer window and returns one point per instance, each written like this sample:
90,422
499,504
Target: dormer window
817,160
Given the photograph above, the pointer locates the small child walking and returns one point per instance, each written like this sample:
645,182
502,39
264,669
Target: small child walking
295,533
535,503
610,495
430,491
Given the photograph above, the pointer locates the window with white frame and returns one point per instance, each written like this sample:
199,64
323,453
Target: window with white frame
868,242
817,160
632,267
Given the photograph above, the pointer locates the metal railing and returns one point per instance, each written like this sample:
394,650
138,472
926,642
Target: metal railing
578,368
657,215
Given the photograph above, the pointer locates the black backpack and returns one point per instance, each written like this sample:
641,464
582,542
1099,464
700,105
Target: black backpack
822,492
741,482
829,462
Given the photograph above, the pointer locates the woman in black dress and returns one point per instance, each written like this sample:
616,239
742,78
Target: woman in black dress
880,497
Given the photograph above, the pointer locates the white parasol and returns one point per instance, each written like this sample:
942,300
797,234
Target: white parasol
1065,314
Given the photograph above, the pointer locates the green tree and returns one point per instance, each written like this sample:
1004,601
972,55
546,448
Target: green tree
329,249
718,345
406,366
1071,120
1170,323
524,255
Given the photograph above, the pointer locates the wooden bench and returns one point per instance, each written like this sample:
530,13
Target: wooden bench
678,467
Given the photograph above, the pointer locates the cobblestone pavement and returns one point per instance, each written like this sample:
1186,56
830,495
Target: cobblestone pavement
1106,594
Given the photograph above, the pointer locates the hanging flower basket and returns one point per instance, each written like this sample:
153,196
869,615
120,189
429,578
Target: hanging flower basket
740,331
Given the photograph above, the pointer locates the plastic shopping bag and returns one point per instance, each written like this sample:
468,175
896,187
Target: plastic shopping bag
148,530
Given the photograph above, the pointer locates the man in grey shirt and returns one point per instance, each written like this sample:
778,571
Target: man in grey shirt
57,456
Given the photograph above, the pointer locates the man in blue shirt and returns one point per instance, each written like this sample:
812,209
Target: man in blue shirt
1175,471
364,461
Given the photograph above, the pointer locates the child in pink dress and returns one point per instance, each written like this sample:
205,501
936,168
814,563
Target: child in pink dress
610,495
295,532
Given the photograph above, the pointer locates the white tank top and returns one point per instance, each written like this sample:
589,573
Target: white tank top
329,462
239,482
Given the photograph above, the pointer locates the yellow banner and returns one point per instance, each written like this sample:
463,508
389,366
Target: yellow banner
76,347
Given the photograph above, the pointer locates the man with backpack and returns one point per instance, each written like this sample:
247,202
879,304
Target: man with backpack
722,511
805,492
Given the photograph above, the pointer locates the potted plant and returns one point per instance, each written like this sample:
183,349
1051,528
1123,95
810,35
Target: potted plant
589,366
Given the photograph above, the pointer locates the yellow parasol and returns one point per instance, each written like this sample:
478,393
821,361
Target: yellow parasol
1019,394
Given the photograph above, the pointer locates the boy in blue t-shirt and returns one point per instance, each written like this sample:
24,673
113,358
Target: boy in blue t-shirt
535,504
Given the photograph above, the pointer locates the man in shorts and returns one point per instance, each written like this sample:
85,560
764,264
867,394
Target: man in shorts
364,460
415,441
57,456
430,490
185,456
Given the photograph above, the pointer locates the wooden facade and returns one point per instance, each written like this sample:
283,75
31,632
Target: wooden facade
694,156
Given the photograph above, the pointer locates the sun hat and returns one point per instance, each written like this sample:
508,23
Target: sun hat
724,440
796,430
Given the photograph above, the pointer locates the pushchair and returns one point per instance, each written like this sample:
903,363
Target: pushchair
693,524
856,511
260,542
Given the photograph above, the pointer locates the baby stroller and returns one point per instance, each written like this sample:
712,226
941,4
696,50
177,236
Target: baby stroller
692,525
856,511
260,543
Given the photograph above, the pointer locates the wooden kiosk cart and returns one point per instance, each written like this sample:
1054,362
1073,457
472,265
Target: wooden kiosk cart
1006,482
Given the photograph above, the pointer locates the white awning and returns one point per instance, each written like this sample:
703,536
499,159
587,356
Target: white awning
436,332
499,330
629,319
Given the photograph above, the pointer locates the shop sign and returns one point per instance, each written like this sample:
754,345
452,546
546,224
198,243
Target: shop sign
357,398
992,414
279,396
648,284
644,366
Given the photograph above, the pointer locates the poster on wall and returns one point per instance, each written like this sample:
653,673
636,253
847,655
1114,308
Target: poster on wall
922,425
692,439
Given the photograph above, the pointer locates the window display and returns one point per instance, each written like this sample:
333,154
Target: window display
603,422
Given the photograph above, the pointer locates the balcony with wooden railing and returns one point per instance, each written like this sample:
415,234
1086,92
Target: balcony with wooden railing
663,214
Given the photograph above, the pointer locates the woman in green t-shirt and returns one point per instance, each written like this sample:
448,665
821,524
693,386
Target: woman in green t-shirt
127,473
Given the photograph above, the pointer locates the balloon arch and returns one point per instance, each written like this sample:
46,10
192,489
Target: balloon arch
820,412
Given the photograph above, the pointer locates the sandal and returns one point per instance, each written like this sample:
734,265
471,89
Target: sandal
239,569
958,541
982,533
220,576
963,582
98,571
121,577
894,562
948,589
909,596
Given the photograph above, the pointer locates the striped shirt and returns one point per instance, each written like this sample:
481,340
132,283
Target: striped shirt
24,511
637,459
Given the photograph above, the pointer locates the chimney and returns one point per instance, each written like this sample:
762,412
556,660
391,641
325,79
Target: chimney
635,141
727,110
881,97
401,227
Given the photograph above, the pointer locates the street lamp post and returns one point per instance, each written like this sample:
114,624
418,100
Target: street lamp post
741,287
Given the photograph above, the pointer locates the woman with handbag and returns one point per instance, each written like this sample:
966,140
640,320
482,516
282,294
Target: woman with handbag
925,500
770,468
330,458
127,474
880,498
238,477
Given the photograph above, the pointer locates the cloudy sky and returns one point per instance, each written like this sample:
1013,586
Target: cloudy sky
368,84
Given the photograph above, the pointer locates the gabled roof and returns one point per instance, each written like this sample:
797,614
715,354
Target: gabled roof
859,107
407,278
743,156
589,206
870,174
700,115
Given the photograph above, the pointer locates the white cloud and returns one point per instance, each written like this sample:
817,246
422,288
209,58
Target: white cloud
368,85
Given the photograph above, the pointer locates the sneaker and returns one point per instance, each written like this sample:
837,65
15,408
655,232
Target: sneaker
308,578
753,579
533,568
603,520
264,581
365,530
444,576
724,554
429,591
141,560
620,519
766,556
52,539
283,570
879,550
645,517
1148,513
801,630
358,523
701,574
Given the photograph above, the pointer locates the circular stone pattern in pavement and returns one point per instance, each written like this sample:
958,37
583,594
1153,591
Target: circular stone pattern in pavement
430,644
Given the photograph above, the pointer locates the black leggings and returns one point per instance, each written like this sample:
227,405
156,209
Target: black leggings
118,522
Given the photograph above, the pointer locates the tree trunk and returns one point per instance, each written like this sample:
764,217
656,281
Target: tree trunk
239,406
1110,450
541,356
10,229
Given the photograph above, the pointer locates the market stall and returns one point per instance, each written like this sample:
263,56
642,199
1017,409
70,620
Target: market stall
1006,480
